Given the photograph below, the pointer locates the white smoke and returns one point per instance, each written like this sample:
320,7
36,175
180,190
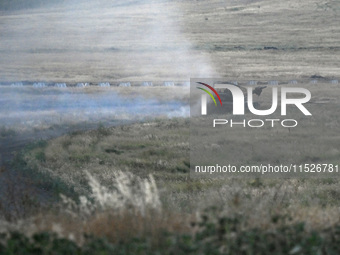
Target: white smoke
30,107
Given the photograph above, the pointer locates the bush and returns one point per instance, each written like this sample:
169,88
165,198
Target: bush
216,236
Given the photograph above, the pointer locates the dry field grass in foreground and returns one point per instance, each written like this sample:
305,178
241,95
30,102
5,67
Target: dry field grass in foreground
105,175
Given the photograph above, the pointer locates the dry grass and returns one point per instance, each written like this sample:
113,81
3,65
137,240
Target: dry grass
171,41
129,208
161,148
118,228
264,206
156,148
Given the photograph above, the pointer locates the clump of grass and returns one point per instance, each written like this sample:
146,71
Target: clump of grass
127,192
127,210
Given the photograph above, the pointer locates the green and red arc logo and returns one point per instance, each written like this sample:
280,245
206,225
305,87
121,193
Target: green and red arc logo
209,93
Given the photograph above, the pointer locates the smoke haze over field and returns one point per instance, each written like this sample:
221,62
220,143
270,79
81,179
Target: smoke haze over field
27,108
104,41
127,39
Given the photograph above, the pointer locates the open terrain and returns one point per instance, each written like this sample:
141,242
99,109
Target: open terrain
105,175
91,170
170,40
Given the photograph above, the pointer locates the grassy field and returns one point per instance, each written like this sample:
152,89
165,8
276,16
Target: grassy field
126,189
105,175
153,40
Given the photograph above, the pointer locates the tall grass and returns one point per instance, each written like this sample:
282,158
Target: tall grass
127,192
128,218
129,211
